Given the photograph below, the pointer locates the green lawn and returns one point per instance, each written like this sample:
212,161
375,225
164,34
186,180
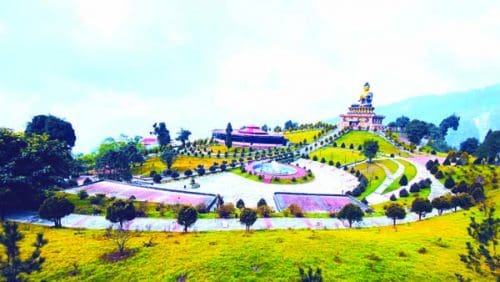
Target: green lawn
370,254
344,156
300,135
410,172
405,202
389,164
374,173
181,164
359,137
281,181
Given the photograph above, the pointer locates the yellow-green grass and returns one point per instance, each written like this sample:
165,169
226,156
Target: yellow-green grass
371,254
359,137
252,177
410,172
429,149
300,136
221,148
375,175
470,172
344,156
389,164
181,163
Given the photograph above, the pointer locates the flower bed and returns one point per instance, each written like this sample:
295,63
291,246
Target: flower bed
315,202
125,191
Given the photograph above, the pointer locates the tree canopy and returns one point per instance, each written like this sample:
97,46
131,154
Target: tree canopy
162,134
54,127
248,217
370,149
120,211
490,146
395,211
55,208
187,216
416,130
469,145
351,213
183,136
229,136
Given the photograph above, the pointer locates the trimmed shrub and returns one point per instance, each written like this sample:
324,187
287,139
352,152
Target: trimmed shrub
261,202
264,211
295,210
82,194
226,210
414,188
393,197
449,183
404,180
403,193
439,174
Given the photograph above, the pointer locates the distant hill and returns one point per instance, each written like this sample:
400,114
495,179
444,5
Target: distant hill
479,111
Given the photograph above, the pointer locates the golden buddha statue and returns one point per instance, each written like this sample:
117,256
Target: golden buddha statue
366,96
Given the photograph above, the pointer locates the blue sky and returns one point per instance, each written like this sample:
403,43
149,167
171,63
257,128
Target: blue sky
113,67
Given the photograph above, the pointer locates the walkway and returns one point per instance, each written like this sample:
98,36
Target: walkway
377,196
170,225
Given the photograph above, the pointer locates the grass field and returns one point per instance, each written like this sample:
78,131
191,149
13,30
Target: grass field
420,251
299,136
344,156
181,163
389,164
374,173
410,172
281,181
359,137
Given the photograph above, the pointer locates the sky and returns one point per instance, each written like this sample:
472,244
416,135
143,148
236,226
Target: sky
113,67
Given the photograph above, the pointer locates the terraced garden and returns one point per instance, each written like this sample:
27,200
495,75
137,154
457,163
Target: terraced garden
344,156
359,137
410,171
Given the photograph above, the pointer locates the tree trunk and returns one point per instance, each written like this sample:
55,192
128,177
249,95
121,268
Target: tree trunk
350,223
419,216
394,219
185,228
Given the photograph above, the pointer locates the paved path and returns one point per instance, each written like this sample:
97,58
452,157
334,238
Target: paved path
157,224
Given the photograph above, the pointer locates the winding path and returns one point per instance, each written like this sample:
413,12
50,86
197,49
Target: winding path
170,225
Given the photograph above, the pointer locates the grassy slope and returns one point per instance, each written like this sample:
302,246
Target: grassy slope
356,255
338,155
374,173
379,209
389,164
410,172
359,137
299,136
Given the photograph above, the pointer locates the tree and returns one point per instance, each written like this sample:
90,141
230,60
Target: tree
351,212
187,216
114,164
120,211
481,254
7,201
441,203
248,217
310,276
162,134
240,204
265,128
14,267
463,200
30,165
370,149
402,122
168,156
470,145
262,202
452,121
421,206
133,153
229,136
404,180
183,136
54,127
290,125
395,211
55,208
490,147
416,130
449,183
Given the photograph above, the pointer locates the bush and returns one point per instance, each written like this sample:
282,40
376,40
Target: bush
338,165
315,158
414,188
226,210
449,183
201,208
403,193
82,194
152,173
393,197
446,162
295,210
261,202
330,163
87,181
264,211
94,200
157,178
404,180
240,204
434,169
439,174
188,172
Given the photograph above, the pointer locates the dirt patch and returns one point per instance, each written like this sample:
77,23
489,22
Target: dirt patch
117,256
